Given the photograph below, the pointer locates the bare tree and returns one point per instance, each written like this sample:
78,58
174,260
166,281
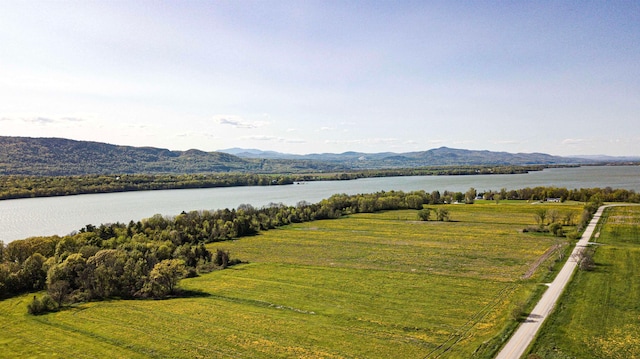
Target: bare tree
584,257
540,215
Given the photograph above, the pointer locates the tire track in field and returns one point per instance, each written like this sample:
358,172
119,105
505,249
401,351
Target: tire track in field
464,330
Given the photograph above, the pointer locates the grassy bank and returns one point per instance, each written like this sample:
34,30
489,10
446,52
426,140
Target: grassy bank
367,286
597,316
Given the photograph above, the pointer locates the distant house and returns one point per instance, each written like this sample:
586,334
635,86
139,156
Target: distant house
554,200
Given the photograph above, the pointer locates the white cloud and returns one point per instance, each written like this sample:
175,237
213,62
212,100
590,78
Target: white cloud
72,119
273,139
41,120
261,138
238,122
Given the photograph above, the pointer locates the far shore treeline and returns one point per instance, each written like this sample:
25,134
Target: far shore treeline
148,257
20,186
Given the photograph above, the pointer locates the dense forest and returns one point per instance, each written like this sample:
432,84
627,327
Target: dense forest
16,186
64,157
147,258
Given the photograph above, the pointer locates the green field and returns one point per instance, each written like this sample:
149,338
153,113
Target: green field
598,316
365,286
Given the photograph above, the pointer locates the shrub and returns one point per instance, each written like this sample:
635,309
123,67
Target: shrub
535,229
424,214
556,229
221,259
573,235
37,306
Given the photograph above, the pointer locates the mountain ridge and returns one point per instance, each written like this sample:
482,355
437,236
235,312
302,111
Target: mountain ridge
60,156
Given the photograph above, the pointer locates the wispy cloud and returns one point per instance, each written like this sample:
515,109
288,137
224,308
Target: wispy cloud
40,120
73,119
273,139
261,138
238,122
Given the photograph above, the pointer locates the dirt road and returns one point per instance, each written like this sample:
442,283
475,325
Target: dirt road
521,339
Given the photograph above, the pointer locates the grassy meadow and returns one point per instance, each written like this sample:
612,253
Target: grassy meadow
364,286
599,314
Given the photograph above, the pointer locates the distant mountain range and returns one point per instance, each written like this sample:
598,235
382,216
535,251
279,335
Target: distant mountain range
605,158
442,156
58,156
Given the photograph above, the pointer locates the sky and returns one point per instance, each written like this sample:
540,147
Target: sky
558,77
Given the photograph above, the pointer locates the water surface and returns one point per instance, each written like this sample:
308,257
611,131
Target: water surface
22,218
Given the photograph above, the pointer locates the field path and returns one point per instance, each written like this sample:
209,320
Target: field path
521,339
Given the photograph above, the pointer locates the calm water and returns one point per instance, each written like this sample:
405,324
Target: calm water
22,218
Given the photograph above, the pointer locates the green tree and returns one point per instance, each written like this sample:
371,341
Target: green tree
424,214
32,273
164,277
59,291
568,218
470,196
442,214
221,259
104,273
414,201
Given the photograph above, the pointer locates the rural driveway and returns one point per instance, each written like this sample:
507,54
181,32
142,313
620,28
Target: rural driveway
521,339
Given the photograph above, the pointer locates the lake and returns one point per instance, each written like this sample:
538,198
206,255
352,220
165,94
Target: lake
22,218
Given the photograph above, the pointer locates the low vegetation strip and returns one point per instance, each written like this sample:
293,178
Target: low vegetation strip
542,259
597,316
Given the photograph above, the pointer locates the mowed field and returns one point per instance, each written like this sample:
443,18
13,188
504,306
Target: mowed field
598,316
365,286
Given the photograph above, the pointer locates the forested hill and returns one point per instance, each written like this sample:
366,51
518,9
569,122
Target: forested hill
62,157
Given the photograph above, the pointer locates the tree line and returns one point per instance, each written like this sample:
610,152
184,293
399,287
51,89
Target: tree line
562,194
148,257
18,186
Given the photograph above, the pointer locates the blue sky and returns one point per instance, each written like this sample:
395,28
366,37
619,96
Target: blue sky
560,77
